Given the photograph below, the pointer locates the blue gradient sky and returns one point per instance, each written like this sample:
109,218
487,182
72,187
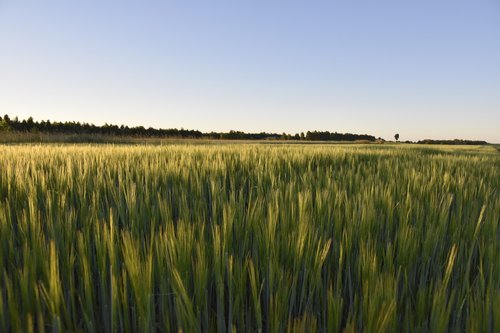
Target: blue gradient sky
425,69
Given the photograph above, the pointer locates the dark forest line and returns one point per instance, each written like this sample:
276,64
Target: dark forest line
77,128
453,142
85,132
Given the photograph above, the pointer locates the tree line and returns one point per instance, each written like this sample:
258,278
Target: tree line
453,142
70,127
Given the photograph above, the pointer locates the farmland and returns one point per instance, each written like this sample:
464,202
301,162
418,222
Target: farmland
249,237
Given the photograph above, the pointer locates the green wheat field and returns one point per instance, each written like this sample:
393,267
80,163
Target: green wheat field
249,237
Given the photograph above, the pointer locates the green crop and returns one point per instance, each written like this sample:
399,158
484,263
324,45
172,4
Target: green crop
249,237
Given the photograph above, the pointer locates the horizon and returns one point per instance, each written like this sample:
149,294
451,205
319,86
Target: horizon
14,117
426,71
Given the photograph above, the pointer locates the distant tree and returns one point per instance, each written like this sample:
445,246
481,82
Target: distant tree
3,125
396,136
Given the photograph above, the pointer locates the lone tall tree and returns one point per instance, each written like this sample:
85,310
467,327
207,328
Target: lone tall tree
396,136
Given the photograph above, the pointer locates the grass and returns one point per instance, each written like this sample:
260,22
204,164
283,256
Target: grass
244,238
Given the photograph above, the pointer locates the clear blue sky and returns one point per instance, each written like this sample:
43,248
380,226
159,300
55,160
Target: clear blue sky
425,69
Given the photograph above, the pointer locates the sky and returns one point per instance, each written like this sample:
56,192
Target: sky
423,69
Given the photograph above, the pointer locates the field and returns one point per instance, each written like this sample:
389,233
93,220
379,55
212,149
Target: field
249,237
